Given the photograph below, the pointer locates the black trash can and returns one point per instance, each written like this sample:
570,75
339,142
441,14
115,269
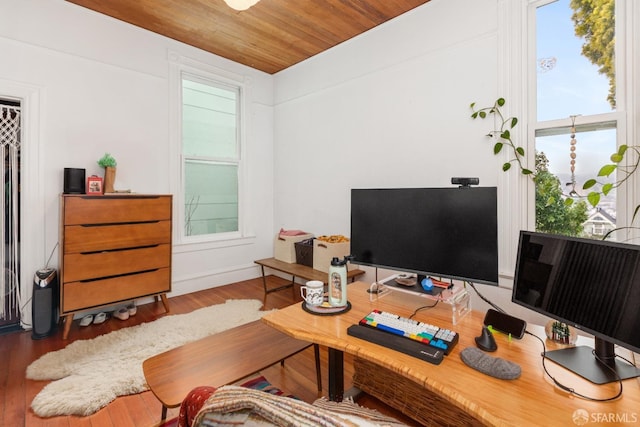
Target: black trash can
44,303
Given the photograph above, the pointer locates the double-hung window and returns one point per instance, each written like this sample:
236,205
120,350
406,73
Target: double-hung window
577,112
570,64
211,158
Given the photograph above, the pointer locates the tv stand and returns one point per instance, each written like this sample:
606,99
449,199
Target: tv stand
599,366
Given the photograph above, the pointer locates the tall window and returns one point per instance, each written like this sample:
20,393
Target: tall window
210,156
577,121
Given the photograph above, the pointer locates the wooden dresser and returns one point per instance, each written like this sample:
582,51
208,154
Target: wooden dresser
113,249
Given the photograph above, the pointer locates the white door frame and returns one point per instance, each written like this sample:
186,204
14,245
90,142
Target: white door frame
32,223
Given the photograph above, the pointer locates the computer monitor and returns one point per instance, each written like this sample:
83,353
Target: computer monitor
592,285
442,232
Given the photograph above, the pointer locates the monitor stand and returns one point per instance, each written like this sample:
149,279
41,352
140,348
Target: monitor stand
456,296
581,360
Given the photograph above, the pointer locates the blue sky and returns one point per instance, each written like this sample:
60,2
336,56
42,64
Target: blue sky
572,87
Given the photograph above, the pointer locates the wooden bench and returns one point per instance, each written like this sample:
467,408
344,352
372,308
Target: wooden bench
220,359
296,270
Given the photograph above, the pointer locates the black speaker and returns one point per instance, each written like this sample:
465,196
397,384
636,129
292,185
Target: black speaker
74,181
44,303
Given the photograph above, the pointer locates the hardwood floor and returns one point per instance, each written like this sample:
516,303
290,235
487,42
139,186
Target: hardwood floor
18,350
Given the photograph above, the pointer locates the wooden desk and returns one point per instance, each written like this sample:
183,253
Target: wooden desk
297,270
532,399
219,359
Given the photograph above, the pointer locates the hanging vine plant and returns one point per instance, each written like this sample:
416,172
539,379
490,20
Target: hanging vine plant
503,135
503,138
606,170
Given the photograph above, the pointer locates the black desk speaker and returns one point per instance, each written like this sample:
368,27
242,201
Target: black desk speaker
74,181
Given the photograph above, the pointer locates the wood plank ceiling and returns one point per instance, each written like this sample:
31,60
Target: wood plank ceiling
270,36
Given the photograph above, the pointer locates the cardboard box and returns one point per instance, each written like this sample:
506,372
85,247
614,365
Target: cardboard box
284,248
324,252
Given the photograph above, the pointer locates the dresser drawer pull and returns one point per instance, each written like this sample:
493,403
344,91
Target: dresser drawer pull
119,250
118,275
124,196
106,224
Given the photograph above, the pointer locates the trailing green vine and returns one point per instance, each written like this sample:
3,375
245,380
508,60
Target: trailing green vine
503,138
616,158
503,135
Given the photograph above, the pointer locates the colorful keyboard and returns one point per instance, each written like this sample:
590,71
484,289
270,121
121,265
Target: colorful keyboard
440,338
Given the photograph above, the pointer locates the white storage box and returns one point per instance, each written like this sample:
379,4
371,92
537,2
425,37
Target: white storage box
324,252
284,248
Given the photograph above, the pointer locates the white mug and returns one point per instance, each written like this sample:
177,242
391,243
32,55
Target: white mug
313,292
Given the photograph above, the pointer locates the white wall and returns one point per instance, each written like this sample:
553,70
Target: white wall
388,108
103,86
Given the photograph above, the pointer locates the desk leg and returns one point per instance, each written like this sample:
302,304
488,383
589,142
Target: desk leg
336,375
316,353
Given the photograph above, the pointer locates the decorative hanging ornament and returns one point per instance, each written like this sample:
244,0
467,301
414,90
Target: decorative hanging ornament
572,155
547,64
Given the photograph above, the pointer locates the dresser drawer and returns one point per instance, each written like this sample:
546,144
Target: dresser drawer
82,295
82,238
115,209
84,266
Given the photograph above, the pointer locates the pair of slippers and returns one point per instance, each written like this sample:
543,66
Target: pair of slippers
125,312
96,320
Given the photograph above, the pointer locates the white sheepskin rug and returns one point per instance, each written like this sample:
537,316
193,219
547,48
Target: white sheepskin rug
91,373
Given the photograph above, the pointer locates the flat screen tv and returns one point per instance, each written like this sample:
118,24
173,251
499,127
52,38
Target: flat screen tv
592,285
442,232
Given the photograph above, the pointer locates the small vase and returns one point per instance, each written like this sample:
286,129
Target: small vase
109,179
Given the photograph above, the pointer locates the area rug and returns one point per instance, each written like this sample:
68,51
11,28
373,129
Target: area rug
91,373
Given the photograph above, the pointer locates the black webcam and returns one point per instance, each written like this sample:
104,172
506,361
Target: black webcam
465,182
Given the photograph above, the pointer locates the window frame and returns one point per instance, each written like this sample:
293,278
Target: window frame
180,67
585,121
517,83
233,160
614,119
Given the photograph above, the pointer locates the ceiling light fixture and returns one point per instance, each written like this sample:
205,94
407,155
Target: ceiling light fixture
240,4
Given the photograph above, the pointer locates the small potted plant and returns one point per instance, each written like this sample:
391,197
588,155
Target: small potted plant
108,162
